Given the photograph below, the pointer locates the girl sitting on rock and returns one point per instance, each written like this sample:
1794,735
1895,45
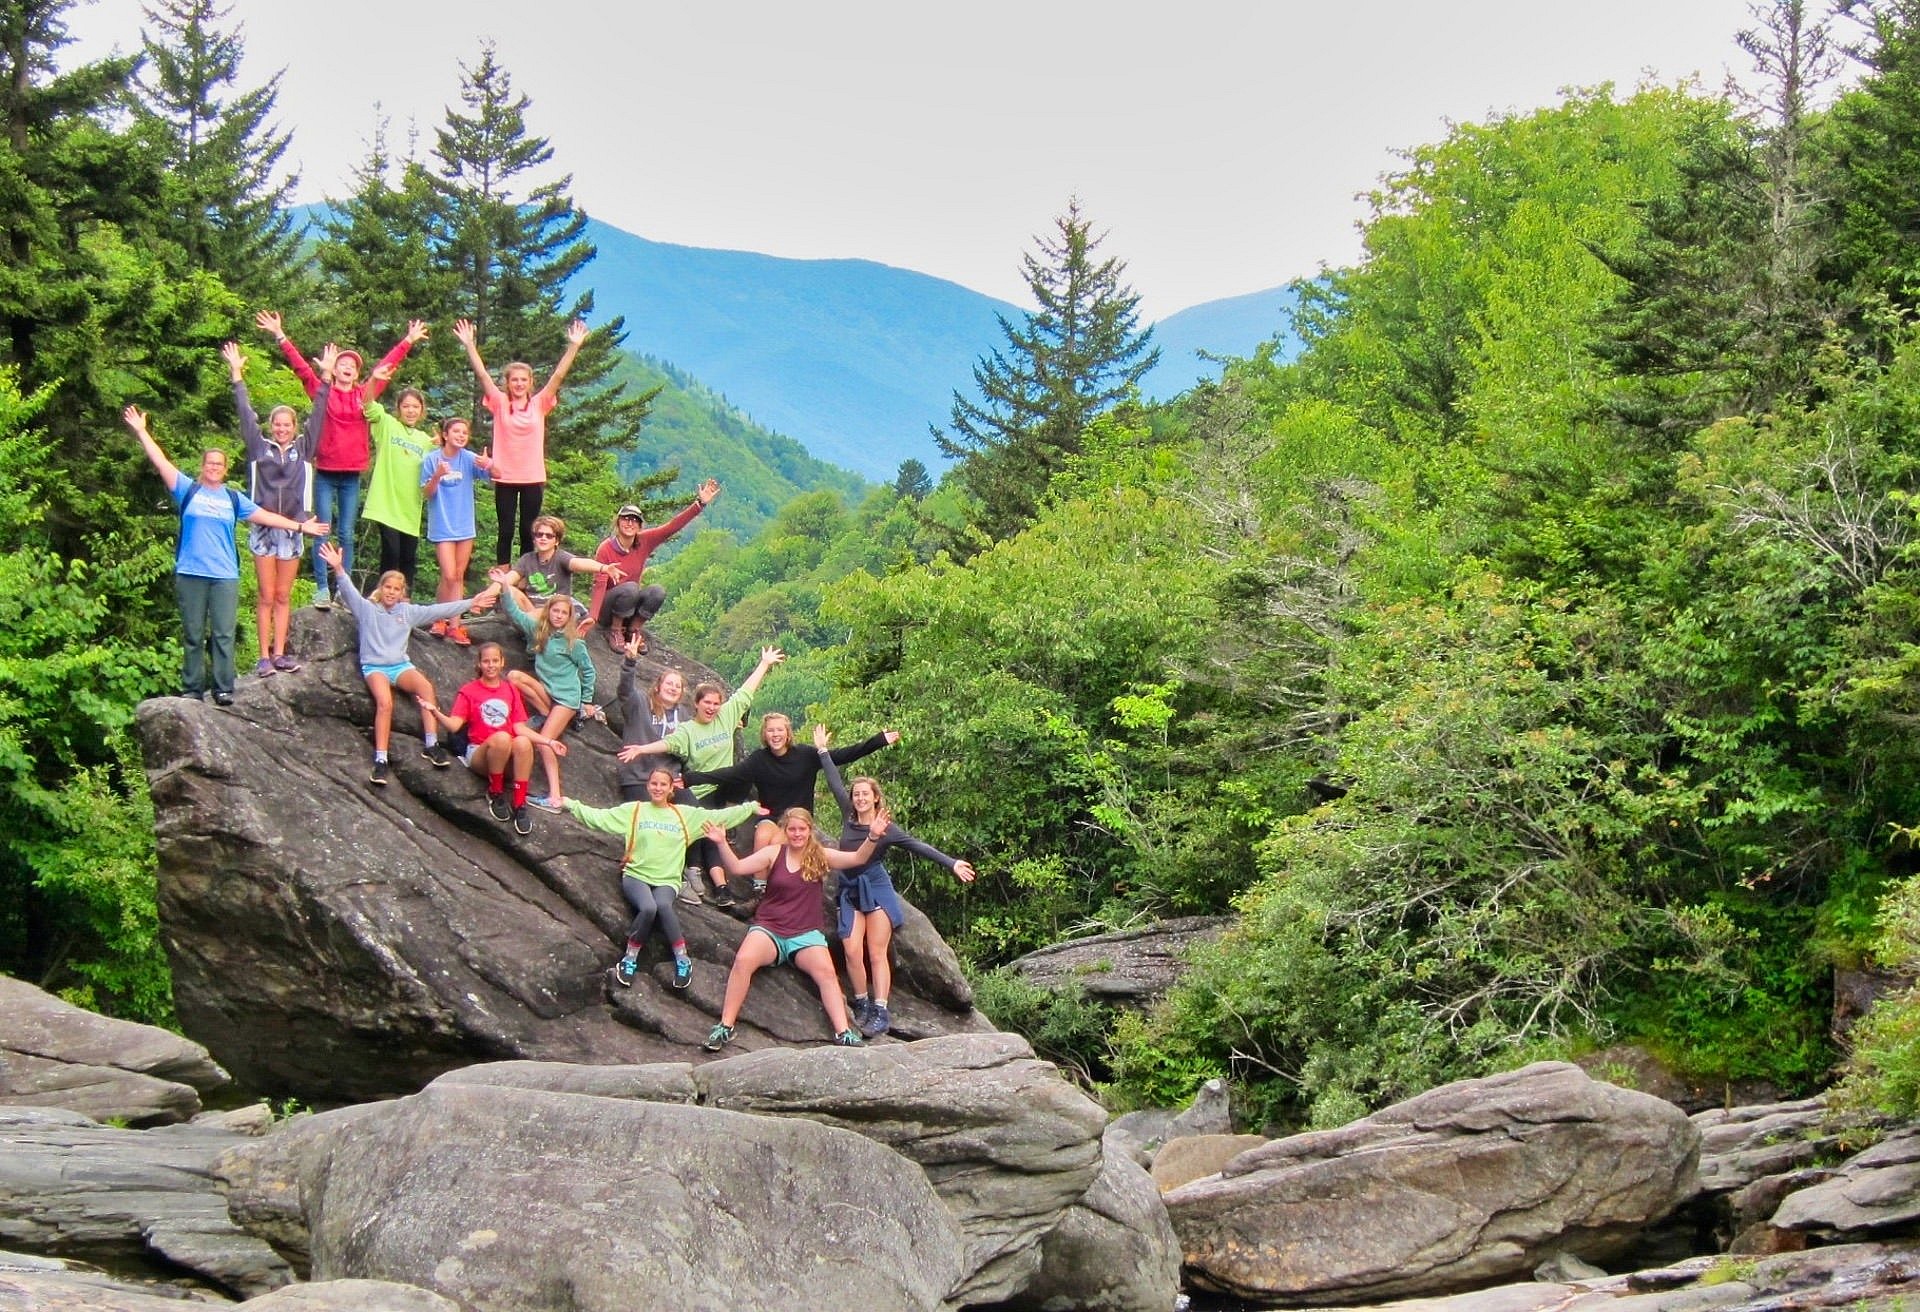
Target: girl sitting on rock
561,685
386,622
791,922
657,832
494,718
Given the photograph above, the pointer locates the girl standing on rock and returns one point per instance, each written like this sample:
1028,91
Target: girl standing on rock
386,622
657,831
446,482
206,564
869,907
519,434
791,922
394,499
280,478
499,738
561,685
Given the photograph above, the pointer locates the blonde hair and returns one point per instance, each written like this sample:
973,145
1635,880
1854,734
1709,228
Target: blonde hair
388,577
768,719
543,626
813,857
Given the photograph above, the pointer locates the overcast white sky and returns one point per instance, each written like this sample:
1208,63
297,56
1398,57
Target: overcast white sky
1221,143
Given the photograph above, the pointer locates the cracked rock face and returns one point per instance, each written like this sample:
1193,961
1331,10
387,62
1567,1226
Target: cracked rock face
338,942
1470,1183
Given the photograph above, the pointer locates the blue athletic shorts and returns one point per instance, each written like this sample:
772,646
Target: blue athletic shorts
393,672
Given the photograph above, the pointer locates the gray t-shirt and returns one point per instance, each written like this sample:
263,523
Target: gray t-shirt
543,580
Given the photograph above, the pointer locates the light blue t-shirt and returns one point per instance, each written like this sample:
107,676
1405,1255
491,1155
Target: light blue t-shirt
450,508
207,522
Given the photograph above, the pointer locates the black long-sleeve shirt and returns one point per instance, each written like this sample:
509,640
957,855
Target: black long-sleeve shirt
785,780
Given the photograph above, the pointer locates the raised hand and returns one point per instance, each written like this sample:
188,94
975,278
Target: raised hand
714,832
329,356
268,322
136,419
882,821
382,372
332,554
771,656
236,362
633,645
577,332
463,331
821,737
708,491
417,330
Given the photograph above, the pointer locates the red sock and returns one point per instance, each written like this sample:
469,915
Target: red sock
679,947
497,783
520,792
633,948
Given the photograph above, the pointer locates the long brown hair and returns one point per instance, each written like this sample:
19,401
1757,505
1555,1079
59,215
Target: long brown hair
813,857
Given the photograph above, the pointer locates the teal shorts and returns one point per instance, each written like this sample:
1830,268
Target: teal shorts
786,947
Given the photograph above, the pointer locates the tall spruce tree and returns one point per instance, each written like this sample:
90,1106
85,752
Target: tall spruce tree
1875,145
227,201
513,243
1076,356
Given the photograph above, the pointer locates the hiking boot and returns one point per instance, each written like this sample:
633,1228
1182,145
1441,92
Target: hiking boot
265,669
438,755
879,1020
719,1037
497,806
457,634
522,821
850,1038
624,970
858,1010
285,663
379,775
438,628
682,972
617,635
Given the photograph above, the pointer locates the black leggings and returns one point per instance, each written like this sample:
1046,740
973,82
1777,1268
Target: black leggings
650,903
509,500
399,551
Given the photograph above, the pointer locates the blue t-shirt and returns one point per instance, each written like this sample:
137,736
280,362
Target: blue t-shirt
450,508
207,522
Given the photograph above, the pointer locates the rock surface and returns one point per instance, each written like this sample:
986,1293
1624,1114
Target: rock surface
341,942
1196,1156
1132,966
69,1186
54,1054
517,1198
1875,1191
352,1296
1113,1251
1460,1186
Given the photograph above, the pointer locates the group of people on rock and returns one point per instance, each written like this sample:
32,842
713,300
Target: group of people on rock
681,787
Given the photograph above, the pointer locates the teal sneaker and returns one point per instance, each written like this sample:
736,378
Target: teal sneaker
718,1038
850,1038
682,972
625,970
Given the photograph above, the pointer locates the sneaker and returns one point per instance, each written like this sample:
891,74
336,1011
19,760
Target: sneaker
522,822
497,806
557,805
720,1036
438,755
379,775
879,1020
285,663
759,888
682,972
223,699
265,669
858,1010
438,628
624,970
321,601
457,634
690,892
722,896
850,1038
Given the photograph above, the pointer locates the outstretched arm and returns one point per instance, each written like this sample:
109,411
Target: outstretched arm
832,771
576,338
848,755
136,419
757,864
463,329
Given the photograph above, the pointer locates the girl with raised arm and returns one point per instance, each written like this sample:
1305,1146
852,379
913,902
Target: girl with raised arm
790,923
446,481
401,446
386,621
499,739
280,478
869,908
707,743
519,434
345,440
657,831
782,775
561,685
206,563
626,604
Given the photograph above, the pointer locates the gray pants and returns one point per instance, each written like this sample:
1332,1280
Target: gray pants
631,601
650,904
208,611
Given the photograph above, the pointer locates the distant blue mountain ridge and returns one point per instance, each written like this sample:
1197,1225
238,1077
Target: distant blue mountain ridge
852,358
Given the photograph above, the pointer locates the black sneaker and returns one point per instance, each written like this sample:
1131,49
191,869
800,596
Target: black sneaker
497,806
624,970
223,699
879,1020
682,972
522,821
379,775
438,755
722,896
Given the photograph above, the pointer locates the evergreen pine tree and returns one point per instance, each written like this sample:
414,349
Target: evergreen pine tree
513,244
1073,358
911,480
1874,139
224,203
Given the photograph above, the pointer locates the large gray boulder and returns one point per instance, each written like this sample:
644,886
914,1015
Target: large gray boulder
1113,1251
517,1198
72,1187
1464,1185
342,942
1129,966
1874,1192
54,1054
1008,1144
